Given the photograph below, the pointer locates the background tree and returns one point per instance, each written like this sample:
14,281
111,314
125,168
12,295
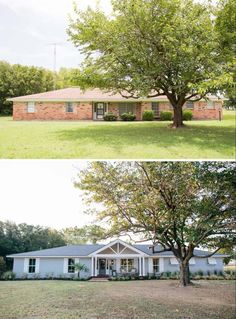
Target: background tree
87,234
17,80
179,205
151,48
22,238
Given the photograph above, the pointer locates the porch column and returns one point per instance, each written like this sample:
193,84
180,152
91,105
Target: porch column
140,267
144,266
118,265
92,267
96,268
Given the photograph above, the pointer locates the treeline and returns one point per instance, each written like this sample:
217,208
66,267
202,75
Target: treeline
18,238
18,80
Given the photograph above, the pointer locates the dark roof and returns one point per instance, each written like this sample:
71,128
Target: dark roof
85,250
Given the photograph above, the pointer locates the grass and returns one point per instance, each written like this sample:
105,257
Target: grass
103,140
119,300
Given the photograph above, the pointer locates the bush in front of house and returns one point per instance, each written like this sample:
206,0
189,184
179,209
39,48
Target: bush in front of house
128,117
187,115
110,117
9,275
166,116
148,115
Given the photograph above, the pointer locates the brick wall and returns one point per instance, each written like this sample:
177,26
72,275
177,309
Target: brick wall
53,111
84,111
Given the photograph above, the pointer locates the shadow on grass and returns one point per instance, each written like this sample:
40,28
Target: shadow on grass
208,137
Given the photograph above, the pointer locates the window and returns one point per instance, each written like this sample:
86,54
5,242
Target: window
173,261
69,107
30,107
32,265
210,105
189,105
155,265
71,265
126,108
212,261
155,108
127,264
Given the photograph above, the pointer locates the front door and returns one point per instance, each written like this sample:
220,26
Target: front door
102,267
99,110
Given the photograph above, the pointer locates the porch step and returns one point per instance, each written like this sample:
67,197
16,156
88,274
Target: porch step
97,279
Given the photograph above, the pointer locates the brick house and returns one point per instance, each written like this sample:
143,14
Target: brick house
75,104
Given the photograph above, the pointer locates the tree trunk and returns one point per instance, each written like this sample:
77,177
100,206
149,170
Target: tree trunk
187,275
178,117
184,275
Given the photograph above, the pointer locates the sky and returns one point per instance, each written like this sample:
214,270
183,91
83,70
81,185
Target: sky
28,27
42,193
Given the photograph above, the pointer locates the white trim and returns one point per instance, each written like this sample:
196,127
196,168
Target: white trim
96,266
117,241
161,264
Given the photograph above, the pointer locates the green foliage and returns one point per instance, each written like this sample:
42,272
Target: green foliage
81,267
3,266
87,234
18,80
22,238
110,117
148,115
176,193
128,117
147,48
9,275
187,115
166,116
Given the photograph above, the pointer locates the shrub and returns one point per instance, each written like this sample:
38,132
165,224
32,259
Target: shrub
9,275
148,115
200,273
3,266
128,117
166,116
110,117
187,115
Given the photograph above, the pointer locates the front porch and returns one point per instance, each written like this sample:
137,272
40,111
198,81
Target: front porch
100,109
118,259
113,266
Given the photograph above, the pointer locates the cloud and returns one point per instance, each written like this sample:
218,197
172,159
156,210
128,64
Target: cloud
29,26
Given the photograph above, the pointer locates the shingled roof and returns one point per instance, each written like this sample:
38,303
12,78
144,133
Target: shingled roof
77,95
86,250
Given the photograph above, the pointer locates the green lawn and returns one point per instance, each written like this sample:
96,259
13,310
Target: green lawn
102,140
116,300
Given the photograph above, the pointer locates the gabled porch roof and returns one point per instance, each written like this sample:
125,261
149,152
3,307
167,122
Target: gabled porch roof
117,248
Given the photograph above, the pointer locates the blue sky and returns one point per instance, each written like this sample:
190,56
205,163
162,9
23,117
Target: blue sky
27,27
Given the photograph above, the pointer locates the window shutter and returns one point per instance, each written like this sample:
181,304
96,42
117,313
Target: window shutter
26,265
37,265
65,266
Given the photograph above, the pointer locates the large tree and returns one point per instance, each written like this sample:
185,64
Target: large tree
150,48
179,205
